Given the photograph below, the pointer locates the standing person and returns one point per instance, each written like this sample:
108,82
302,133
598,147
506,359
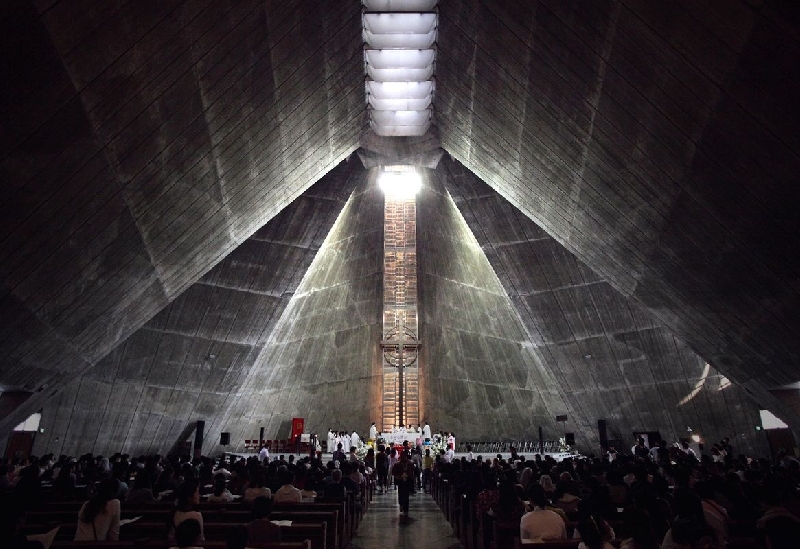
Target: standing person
373,432
263,454
392,459
339,454
355,440
427,470
416,459
426,432
382,468
331,446
403,473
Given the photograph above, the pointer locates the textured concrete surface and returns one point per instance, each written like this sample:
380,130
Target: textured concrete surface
192,359
479,376
321,361
656,142
608,357
144,142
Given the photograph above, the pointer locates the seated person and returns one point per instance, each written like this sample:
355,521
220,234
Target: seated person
98,519
256,488
541,523
185,508
261,529
221,492
187,535
142,491
335,489
287,493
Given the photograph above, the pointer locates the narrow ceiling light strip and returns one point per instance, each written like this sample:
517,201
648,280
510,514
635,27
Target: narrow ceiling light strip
399,60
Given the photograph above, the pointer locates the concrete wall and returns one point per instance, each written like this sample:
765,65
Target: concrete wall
658,143
479,375
145,142
191,360
322,360
609,356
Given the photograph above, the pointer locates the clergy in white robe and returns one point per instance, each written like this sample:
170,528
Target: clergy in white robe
373,432
355,440
426,432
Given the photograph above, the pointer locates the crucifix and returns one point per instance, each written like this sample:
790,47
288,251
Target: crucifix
400,350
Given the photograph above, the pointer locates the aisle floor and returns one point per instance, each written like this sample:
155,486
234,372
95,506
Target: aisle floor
383,527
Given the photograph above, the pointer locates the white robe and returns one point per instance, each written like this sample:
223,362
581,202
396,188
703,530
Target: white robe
426,431
373,432
355,439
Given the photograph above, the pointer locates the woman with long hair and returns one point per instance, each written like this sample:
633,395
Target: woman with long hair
185,508
98,519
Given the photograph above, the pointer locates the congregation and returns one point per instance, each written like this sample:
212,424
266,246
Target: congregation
661,497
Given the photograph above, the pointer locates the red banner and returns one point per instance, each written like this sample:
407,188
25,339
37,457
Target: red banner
298,426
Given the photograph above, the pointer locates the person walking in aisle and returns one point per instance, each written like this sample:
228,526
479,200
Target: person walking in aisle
403,473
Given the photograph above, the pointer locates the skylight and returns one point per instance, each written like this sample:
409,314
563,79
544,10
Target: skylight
399,61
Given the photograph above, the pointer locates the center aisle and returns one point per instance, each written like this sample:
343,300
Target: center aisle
383,527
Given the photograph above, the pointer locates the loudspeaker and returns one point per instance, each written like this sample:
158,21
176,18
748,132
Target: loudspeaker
601,429
569,438
261,436
224,439
198,438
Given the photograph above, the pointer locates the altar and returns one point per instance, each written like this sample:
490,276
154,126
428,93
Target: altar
397,439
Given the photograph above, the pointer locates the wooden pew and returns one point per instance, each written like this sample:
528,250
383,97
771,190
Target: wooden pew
163,544
214,531
338,507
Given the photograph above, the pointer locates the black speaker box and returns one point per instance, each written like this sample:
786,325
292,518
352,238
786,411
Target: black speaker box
569,438
601,429
224,439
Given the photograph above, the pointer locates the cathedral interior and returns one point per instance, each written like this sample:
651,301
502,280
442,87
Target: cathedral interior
193,229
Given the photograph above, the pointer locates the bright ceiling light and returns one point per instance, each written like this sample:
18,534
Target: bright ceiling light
400,5
400,184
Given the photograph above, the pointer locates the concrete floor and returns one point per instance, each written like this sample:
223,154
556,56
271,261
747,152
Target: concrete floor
384,528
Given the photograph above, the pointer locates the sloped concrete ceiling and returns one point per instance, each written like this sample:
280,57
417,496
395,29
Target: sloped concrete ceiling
604,354
657,142
191,361
144,142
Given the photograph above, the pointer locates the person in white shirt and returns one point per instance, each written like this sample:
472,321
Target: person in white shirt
426,432
355,440
263,454
541,523
346,442
331,441
373,432
256,488
449,454
287,493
